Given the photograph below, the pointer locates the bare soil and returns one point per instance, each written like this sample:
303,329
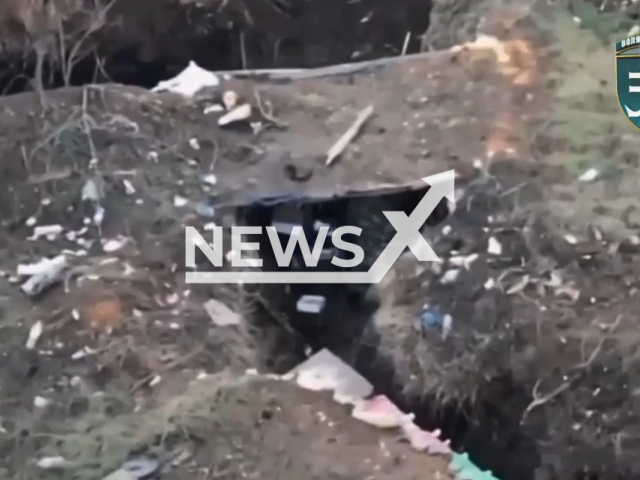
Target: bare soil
544,373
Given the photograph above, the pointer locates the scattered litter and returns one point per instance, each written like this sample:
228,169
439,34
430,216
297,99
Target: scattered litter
194,143
489,284
155,381
28,269
590,175
447,326
34,335
238,114
141,468
113,245
379,412
46,231
128,187
215,108
325,371
52,462
47,276
205,210
86,351
188,82
31,221
221,314
461,261
182,457
337,148
91,192
423,440
519,285
41,402
450,276
494,248
311,304
570,239
210,179
98,216
179,201
431,318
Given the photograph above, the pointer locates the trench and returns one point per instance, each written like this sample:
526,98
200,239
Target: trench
488,430
312,34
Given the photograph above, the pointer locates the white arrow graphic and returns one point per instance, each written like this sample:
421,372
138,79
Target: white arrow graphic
407,235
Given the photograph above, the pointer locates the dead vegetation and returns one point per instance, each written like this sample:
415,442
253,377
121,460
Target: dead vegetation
547,327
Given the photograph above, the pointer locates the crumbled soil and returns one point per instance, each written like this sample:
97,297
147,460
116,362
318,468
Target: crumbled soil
521,116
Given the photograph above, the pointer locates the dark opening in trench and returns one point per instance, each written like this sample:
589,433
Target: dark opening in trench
253,34
488,431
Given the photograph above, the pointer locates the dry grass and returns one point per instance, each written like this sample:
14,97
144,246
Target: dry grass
568,363
209,409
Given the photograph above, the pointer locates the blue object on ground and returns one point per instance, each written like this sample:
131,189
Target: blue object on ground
432,318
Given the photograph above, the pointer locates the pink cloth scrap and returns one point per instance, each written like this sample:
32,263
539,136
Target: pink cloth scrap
424,440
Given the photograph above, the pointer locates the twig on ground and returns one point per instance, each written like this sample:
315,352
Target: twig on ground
267,114
337,148
176,363
538,400
86,120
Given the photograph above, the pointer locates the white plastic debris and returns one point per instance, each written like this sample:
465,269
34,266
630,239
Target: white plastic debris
194,143
489,284
98,216
46,231
221,314
188,82
311,304
128,187
34,335
31,221
215,108
462,261
379,412
41,402
325,371
113,245
28,269
590,175
519,285
52,462
86,351
447,325
210,179
238,114
155,381
494,248
47,276
179,201
570,239
90,191
450,276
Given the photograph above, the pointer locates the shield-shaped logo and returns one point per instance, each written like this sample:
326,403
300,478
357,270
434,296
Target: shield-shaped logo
628,77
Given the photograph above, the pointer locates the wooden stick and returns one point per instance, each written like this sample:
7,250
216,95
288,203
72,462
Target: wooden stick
336,150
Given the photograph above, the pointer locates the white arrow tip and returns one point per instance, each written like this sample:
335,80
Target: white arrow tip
444,181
